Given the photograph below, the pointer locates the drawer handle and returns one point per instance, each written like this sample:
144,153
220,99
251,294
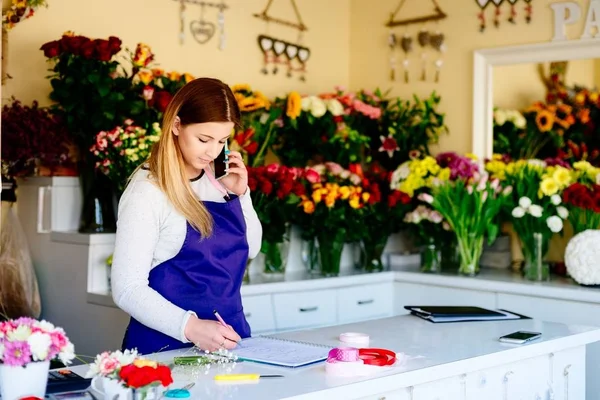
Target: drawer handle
309,309
363,302
247,315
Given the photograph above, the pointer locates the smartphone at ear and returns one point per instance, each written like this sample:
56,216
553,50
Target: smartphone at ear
221,163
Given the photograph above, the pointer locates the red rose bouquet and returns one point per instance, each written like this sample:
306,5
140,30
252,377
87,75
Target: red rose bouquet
32,134
382,215
276,192
142,375
582,198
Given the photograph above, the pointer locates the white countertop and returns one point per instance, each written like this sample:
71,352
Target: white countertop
505,281
434,351
493,280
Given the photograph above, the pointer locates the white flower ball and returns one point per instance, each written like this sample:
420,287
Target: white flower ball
582,257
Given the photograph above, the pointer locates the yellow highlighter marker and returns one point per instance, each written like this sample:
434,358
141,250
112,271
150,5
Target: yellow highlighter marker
244,377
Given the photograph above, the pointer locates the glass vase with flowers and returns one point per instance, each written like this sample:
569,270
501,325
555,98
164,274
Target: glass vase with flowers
276,192
536,210
330,215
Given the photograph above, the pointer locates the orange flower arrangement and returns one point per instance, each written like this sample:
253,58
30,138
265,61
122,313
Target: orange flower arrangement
294,105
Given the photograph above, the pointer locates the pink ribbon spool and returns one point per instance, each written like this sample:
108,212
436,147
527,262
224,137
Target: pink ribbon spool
343,354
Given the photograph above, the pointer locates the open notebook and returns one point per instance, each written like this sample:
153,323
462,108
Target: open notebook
280,352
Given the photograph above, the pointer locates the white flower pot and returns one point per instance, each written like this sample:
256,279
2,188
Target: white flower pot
109,388
18,382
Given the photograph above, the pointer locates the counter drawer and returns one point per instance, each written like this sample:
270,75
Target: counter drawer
303,309
358,303
259,313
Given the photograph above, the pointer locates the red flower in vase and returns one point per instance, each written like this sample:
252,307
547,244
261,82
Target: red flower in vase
137,377
244,140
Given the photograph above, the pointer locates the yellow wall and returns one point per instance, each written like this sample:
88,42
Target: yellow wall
517,86
156,22
369,52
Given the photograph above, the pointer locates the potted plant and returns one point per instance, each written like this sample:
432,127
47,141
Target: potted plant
26,348
126,374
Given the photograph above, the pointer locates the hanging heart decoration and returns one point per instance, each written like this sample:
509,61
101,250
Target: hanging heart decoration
437,41
265,43
498,2
279,47
512,1
406,43
423,38
202,31
303,54
483,3
291,51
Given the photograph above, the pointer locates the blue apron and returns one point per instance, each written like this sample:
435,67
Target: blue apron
205,275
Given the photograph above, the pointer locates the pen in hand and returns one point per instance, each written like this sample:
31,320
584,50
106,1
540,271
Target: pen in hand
222,322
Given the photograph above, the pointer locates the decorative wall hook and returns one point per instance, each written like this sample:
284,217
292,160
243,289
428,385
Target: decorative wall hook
298,25
277,52
437,15
202,30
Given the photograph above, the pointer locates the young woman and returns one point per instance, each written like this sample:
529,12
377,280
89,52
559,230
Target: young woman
183,238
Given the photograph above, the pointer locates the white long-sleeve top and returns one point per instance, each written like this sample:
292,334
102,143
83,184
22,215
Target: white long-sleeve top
149,232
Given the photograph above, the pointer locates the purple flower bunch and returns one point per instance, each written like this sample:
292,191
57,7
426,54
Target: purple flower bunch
461,167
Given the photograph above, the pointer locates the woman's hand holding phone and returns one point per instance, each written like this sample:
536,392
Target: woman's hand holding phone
236,180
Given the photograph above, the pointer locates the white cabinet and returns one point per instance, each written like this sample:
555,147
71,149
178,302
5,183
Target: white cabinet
566,312
358,303
259,313
558,376
48,204
305,309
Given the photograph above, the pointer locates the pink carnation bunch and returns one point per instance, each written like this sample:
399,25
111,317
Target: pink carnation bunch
27,340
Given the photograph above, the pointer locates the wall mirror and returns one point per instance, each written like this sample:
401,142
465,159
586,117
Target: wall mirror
509,78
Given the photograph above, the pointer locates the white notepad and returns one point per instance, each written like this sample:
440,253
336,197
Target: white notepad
280,352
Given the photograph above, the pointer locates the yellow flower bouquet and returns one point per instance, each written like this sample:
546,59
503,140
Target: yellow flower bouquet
536,210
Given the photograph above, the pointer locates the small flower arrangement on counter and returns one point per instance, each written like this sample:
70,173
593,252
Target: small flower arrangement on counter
26,348
122,372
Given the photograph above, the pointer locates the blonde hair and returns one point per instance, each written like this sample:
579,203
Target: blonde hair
201,100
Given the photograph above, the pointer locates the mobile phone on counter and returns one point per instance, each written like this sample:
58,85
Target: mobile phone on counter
221,163
520,337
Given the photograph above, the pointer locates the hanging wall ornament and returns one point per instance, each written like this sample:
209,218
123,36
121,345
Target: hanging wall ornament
437,42
202,30
528,11
406,44
513,12
392,42
303,56
182,22
497,12
481,15
278,52
221,24
423,39
266,46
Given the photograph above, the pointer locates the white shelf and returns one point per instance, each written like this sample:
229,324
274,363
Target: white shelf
492,280
75,237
